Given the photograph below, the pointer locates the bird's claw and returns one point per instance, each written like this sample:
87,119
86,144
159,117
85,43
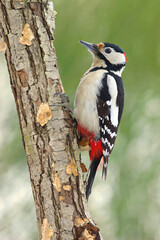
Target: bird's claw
64,103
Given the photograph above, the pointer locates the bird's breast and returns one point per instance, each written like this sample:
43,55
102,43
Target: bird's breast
85,110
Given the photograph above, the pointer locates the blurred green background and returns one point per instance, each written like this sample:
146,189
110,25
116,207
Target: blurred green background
127,205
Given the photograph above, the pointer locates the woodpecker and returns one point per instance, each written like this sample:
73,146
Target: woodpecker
98,104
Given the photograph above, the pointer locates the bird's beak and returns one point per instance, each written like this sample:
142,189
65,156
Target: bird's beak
90,46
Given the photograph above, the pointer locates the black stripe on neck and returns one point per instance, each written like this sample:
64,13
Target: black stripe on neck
110,67
97,68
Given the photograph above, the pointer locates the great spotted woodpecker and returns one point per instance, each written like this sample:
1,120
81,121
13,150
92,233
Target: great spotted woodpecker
99,102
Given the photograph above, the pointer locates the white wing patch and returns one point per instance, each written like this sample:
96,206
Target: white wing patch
112,87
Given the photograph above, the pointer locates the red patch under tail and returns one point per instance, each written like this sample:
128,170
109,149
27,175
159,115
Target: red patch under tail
96,147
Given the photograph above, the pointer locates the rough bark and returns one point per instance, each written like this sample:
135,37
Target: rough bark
51,149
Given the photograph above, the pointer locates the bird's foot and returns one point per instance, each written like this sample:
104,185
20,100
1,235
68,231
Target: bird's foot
64,101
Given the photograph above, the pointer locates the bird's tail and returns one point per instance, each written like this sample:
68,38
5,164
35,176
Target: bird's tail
105,166
93,169
95,155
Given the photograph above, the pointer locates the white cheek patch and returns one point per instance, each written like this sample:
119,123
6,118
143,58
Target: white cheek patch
116,58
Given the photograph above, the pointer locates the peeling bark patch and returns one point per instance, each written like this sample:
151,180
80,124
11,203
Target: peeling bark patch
87,235
3,45
83,167
61,198
23,76
71,168
47,232
67,187
84,142
28,36
84,145
44,114
57,183
86,231
74,168
79,222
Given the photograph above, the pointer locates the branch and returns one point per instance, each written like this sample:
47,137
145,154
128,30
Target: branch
48,134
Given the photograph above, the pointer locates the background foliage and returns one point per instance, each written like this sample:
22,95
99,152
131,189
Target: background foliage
127,205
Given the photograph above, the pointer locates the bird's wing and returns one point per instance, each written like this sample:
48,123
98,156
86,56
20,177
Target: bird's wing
108,131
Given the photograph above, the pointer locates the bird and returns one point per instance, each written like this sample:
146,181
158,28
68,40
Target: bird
98,104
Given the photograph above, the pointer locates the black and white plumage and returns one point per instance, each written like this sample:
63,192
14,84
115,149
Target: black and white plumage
99,103
110,107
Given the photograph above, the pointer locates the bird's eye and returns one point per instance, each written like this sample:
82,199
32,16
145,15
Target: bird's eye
108,50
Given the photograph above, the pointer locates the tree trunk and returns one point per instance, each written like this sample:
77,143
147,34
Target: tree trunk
27,33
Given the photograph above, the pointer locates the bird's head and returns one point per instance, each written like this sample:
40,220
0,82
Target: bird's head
107,55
